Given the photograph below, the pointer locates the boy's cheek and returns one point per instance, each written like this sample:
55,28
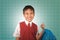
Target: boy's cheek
25,15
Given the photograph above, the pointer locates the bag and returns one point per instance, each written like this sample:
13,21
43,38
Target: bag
48,35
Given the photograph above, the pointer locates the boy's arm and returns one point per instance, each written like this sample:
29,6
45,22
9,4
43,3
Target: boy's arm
39,35
16,33
17,38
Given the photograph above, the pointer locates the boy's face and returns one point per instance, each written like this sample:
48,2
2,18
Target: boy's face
29,15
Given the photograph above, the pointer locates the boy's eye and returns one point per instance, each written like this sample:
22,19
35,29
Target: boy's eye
31,13
26,13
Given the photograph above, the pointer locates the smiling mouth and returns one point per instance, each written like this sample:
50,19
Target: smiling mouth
29,18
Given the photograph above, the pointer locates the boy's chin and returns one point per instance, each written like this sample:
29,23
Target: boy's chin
29,20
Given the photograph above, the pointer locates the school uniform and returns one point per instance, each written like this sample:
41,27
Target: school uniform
26,31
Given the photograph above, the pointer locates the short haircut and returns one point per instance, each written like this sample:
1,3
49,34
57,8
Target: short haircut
28,7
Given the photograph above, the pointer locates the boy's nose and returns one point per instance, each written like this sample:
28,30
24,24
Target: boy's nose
29,15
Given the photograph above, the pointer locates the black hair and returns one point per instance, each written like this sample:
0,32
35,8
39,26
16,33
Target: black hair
28,7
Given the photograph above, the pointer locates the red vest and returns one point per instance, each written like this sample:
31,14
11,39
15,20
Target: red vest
28,33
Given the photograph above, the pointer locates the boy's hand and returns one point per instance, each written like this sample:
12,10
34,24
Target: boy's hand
42,25
17,38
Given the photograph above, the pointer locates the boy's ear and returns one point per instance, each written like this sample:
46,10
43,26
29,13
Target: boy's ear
23,14
34,14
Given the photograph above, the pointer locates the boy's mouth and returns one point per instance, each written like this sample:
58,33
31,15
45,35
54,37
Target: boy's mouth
30,18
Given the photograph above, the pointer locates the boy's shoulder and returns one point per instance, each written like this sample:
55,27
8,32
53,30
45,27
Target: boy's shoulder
21,22
34,23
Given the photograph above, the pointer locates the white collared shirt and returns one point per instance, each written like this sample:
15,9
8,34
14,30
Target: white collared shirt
28,22
17,30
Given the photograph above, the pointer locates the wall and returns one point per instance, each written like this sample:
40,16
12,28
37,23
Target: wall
46,11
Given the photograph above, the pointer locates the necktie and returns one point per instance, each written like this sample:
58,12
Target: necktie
28,24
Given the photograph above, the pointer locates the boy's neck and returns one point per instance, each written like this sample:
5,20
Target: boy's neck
28,22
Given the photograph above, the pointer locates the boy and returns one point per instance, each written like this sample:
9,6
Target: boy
27,30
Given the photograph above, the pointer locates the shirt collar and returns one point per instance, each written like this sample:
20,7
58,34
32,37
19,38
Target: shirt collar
28,22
